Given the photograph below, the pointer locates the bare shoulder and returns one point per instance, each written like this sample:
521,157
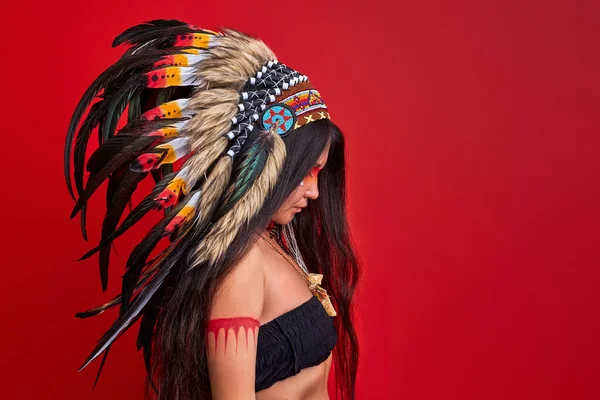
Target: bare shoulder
242,290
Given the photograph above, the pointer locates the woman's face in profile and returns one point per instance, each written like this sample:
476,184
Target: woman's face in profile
308,189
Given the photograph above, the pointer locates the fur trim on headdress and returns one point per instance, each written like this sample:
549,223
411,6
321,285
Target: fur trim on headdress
224,231
232,61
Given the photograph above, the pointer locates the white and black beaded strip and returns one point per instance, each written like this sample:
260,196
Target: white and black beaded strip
283,82
248,112
273,73
259,94
275,81
250,109
269,82
270,72
267,88
236,147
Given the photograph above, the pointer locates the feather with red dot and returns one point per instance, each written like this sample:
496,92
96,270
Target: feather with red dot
186,214
172,109
179,60
169,196
172,76
198,40
166,153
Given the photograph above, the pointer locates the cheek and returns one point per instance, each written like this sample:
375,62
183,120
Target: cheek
294,198
296,195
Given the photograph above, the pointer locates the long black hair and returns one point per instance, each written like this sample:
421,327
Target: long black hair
176,362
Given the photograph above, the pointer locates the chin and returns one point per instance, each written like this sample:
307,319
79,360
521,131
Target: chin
285,218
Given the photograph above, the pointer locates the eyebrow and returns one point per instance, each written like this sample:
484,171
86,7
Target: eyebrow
321,165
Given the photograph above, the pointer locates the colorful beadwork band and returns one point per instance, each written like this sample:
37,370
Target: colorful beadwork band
300,105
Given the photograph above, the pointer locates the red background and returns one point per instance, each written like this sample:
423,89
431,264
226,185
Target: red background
473,180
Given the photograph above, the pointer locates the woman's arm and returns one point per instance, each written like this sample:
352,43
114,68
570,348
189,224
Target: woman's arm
234,322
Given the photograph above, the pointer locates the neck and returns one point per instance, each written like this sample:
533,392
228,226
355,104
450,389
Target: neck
271,226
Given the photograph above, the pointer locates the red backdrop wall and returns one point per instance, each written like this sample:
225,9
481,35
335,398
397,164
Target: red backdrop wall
473,182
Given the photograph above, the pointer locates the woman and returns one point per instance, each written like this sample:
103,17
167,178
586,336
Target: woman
249,172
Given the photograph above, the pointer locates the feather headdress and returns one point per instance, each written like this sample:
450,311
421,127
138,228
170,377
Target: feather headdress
195,100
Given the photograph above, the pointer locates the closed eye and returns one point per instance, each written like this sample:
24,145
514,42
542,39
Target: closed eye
314,172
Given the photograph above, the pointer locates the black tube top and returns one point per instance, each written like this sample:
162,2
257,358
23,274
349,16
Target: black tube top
302,337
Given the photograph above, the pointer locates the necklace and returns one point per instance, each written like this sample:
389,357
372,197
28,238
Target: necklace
313,281
285,237
300,271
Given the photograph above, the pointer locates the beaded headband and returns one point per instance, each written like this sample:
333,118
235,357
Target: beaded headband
297,107
281,99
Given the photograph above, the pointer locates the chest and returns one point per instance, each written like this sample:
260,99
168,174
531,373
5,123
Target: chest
285,288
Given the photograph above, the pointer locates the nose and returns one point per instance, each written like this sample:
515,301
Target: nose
312,189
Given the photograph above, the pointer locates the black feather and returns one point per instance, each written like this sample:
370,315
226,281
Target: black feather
95,117
101,367
92,312
109,149
164,267
118,102
119,192
135,107
126,135
114,181
112,77
146,332
126,154
135,215
132,35
101,126
130,323
82,136
160,38
147,324
166,169
165,95
139,256
83,221
156,175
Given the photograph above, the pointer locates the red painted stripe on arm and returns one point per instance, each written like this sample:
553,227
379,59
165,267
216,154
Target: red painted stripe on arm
215,326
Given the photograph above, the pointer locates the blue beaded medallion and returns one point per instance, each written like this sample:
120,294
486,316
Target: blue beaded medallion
281,116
